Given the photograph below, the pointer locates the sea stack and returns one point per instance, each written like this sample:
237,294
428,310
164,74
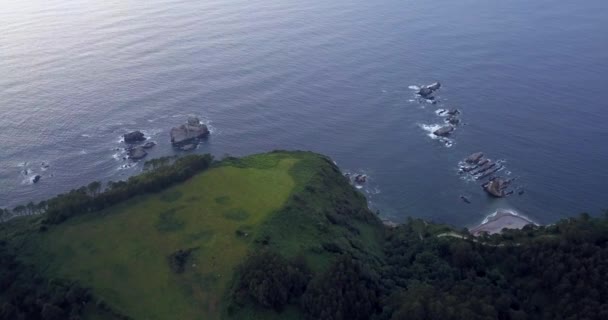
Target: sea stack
188,133
134,137
496,187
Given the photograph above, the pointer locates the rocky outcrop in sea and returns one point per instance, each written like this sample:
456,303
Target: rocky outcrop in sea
187,136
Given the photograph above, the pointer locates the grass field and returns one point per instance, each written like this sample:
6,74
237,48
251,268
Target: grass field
220,215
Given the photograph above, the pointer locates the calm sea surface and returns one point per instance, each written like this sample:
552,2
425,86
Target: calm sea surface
530,77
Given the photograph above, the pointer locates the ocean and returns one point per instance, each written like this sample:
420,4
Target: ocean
334,77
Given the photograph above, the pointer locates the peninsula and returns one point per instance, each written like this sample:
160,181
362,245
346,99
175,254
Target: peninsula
282,235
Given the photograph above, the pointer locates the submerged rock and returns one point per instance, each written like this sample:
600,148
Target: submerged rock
444,131
189,132
149,145
188,147
465,199
453,120
137,153
134,137
36,178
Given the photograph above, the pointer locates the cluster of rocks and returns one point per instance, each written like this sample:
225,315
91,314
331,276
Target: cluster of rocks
452,120
452,115
484,169
476,166
34,177
136,150
184,137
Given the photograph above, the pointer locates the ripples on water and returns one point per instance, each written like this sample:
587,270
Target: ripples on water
330,76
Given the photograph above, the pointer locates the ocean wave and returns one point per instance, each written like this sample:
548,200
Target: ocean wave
127,166
121,155
430,128
508,211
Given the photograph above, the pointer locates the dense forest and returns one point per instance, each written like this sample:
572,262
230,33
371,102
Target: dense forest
554,272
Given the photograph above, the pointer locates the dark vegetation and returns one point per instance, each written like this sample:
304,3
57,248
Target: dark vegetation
25,294
270,280
554,272
177,260
348,290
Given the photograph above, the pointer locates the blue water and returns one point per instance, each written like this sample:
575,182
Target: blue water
328,76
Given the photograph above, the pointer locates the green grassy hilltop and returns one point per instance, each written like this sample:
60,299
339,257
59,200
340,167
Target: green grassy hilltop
220,215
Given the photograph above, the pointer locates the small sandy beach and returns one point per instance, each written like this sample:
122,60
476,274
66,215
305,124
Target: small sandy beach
503,218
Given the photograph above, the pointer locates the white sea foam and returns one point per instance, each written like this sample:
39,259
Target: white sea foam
151,132
509,211
120,155
441,112
430,128
212,129
127,166
414,87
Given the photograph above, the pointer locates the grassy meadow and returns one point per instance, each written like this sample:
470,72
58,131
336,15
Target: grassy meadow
277,200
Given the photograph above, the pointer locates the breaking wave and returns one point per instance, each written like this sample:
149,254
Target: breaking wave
430,128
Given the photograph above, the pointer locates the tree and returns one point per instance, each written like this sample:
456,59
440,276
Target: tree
94,188
19,210
270,280
30,207
348,290
4,214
